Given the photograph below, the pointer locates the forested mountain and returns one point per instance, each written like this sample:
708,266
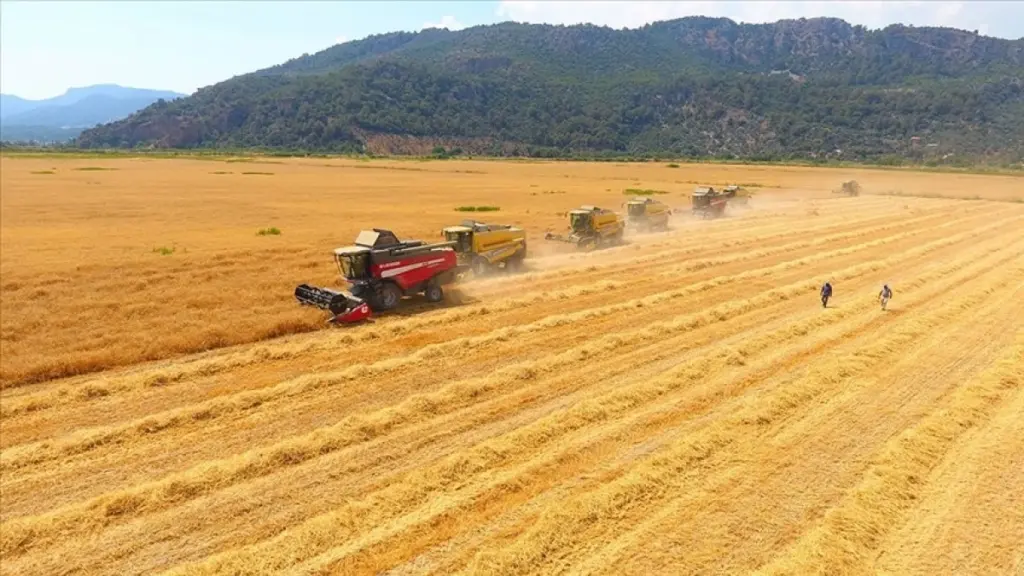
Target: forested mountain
694,87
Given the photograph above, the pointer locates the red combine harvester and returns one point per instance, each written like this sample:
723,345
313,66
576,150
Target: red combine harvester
381,270
707,203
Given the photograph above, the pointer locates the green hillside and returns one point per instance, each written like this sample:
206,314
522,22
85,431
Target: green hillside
692,87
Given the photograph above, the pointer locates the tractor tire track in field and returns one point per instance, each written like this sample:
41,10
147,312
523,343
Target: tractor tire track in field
587,416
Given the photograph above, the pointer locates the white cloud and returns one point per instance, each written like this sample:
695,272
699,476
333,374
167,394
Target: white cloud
448,22
1005,19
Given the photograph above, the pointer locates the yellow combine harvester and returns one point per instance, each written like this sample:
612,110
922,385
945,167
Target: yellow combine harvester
737,195
647,215
484,247
849,188
592,227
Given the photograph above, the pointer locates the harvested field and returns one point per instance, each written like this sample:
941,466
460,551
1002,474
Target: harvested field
682,403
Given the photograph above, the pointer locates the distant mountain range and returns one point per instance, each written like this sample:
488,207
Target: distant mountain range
64,117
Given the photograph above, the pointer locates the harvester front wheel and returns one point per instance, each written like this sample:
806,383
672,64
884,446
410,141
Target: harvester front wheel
389,296
433,292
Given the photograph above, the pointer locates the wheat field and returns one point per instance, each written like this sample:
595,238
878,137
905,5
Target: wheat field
679,404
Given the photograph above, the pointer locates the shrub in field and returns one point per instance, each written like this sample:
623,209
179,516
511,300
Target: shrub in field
478,209
258,173
673,165
164,250
43,172
642,192
268,232
92,168
221,172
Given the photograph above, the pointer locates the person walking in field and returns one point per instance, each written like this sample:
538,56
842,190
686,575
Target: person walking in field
826,293
885,295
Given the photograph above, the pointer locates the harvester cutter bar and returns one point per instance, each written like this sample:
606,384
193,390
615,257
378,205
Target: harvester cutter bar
559,238
343,307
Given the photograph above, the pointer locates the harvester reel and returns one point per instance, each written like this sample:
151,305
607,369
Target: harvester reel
343,308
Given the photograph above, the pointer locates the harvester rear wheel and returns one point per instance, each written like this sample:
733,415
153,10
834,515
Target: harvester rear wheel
433,292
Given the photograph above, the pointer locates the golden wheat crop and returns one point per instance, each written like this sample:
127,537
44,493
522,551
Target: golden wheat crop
678,404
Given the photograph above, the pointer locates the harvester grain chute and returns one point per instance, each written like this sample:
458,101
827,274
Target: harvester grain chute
591,227
707,203
380,270
647,215
484,247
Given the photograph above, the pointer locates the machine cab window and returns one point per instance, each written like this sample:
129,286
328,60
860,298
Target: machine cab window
636,209
353,265
463,239
579,221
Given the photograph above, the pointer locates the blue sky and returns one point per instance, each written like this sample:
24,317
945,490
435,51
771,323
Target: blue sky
48,46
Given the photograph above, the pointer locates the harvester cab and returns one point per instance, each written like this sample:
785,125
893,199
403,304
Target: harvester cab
581,221
380,269
647,214
591,227
737,195
707,203
353,262
849,188
461,237
485,246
